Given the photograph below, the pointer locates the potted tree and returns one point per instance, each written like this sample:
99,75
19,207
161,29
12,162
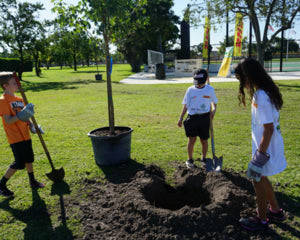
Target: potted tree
98,76
111,144
97,48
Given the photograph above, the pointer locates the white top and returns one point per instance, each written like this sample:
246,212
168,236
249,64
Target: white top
198,100
263,112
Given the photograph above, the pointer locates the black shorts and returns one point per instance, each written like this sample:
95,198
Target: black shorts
23,153
197,125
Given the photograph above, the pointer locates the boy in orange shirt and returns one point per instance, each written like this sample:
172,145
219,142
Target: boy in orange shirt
15,118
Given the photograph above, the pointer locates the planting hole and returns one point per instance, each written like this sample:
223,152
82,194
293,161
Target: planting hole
188,191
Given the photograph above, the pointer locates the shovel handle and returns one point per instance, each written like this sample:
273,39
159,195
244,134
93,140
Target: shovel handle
212,137
33,120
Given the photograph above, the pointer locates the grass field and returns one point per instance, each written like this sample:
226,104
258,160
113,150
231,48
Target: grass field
69,104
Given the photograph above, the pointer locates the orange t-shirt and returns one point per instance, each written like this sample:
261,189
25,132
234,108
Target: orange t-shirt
18,131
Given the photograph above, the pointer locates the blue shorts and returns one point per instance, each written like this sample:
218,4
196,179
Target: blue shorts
197,125
23,153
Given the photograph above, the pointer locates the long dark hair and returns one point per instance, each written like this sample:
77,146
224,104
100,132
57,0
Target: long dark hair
249,71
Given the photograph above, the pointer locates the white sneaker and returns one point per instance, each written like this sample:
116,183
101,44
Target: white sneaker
190,163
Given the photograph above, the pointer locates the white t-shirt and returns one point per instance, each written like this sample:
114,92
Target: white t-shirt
198,100
263,112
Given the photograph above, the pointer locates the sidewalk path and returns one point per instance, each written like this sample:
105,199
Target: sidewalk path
149,78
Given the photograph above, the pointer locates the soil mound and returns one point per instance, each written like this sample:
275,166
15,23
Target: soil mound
141,204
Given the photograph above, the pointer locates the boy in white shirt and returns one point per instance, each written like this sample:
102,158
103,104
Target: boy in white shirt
197,103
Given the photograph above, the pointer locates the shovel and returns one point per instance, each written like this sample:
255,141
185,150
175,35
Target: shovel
216,163
55,175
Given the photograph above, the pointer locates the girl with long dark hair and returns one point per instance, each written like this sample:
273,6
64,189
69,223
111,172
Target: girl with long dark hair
267,143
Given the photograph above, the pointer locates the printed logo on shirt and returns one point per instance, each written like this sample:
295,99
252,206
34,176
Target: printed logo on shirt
17,106
278,126
254,104
204,96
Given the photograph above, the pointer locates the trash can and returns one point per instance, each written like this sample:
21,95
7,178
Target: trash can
160,71
146,68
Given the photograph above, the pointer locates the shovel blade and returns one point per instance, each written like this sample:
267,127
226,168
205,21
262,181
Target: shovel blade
56,175
218,162
209,165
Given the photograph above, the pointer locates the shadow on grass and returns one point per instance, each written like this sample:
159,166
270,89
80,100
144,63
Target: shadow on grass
123,173
288,86
89,71
37,219
290,205
62,232
38,87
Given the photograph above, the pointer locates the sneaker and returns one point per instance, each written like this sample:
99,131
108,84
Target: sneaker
277,216
253,224
190,163
203,162
6,192
37,184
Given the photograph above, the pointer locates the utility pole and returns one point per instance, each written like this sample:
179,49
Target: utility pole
250,38
281,50
227,26
282,35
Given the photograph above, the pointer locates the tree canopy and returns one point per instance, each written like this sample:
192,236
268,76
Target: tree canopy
20,27
152,27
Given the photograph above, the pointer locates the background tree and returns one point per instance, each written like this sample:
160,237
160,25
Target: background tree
118,57
222,47
278,13
276,45
76,42
152,27
38,47
103,13
19,27
92,49
58,49
196,50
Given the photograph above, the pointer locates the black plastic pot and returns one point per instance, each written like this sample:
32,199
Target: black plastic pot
98,76
111,150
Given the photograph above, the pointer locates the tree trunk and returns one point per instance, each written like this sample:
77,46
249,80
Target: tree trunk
260,53
36,64
109,87
75,62
21,67
260,46
135,66
134,61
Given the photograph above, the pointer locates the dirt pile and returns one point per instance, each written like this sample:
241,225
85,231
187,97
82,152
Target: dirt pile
138,203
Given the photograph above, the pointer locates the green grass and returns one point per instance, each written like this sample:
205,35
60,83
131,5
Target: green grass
69,104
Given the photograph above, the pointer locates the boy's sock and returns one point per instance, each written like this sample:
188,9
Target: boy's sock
3,181
33,182
31,177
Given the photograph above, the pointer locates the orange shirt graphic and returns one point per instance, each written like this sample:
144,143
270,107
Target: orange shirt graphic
18,131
